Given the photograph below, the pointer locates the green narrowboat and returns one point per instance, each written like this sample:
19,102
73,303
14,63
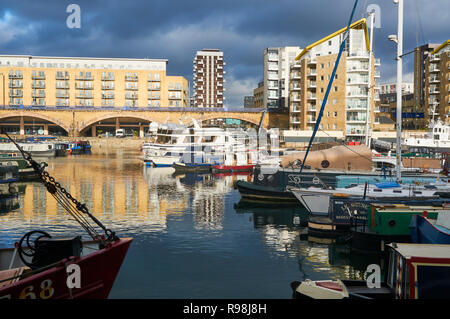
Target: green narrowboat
387,223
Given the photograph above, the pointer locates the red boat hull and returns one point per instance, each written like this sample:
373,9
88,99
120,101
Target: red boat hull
231,168
98,271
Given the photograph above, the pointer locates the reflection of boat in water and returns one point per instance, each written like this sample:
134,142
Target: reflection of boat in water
292,216
9,204
191,167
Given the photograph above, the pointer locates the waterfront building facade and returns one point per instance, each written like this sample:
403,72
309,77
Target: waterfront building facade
277,61
209,78
386,88
349,101
437,87
258,96
421,54
67,82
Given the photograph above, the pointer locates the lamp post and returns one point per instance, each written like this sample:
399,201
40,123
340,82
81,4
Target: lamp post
399,40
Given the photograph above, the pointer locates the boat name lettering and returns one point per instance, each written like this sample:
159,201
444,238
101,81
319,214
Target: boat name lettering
45,292
295,179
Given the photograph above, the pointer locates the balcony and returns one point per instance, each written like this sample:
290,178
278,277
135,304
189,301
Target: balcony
358,68
311,96
377,62
154,97
312,108
62,86
38,85
272,57
434,79
60,95
312,85
312,72
62,77
83,86
311,119
434,91
295,120
84,78
357,93
82,95
435,58
109,86
355,119
131,78
358,54
296,98
295,109
358,81
14,85
154,88
312,61
107,96
107,77
38,77
356,106
296,88
16,94
434,69
131,88
132,96
15,76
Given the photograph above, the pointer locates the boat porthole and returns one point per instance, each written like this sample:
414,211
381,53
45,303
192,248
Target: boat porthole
391,222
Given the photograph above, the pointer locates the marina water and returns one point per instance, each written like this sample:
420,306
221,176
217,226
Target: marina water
192,236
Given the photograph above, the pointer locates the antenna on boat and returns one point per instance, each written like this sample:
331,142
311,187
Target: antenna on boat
76,209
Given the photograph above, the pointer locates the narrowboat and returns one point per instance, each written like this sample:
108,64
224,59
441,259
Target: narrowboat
425,230
347,211
387,223
415,271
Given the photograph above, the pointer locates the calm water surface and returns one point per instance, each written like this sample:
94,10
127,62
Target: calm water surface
192,237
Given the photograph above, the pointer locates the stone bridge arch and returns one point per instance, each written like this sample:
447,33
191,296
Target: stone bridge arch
249,119
57,122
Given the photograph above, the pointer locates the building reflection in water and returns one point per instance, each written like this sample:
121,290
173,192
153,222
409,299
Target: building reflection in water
125,194
284,231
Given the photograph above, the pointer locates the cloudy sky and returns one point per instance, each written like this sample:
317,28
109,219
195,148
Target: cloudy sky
242,29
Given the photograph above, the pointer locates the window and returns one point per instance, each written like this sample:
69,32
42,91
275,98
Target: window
329,42
334,127
322,65
335,89
334,101
335,114
321,78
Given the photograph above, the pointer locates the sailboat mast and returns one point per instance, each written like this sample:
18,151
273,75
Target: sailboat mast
399,89
370,82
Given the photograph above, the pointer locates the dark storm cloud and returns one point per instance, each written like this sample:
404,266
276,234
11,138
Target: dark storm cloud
176,29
